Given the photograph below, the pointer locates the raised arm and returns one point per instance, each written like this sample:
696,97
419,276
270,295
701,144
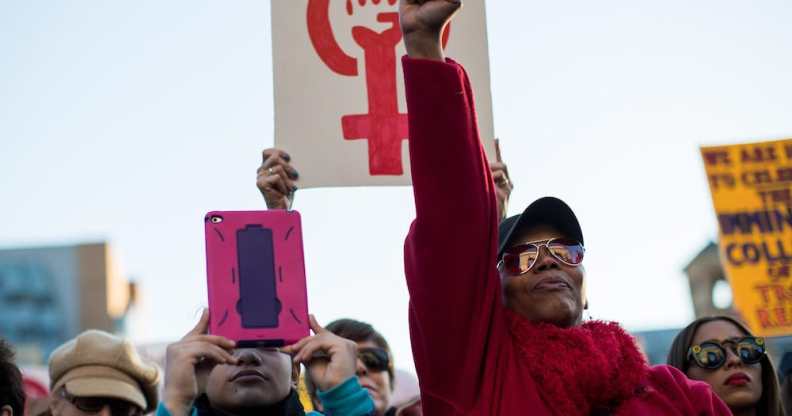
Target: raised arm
450,250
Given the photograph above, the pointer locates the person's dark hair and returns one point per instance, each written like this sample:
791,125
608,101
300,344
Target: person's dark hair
785,380
12,390
770,402
786,394
357,331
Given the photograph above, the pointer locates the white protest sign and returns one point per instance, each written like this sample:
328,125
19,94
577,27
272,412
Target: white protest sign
340,110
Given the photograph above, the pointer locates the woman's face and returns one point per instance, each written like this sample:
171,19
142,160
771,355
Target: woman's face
261,378
738,384
377,383
551,291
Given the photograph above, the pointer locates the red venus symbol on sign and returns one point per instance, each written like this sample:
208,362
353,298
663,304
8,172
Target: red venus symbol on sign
383,126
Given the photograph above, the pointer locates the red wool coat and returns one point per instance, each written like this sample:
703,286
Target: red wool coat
467,358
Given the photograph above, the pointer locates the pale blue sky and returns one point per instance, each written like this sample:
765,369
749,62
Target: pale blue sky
127,121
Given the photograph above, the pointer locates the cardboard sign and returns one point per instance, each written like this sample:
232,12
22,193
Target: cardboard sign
751,187
340,110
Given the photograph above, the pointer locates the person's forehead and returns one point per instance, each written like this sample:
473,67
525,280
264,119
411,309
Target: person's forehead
535,232
368,344
718,330
262,350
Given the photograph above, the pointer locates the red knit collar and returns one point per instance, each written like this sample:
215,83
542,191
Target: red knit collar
581,370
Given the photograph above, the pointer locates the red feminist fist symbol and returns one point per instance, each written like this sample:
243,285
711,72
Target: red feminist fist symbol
383,126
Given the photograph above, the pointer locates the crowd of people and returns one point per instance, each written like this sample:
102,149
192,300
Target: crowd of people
496,309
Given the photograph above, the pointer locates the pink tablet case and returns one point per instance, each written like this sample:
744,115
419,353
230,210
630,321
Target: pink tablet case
256,277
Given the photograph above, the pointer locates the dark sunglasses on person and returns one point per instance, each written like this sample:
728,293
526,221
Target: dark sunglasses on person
93,405
375,359
519,259
711,355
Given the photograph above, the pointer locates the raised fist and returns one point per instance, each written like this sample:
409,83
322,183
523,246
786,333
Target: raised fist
422,23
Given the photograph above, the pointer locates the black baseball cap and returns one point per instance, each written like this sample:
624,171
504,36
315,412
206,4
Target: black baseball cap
549,211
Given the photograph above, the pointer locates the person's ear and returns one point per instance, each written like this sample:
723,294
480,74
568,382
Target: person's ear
6,410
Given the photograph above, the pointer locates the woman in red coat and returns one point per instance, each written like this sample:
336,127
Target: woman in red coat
496,315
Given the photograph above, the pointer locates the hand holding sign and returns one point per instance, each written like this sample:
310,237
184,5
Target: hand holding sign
422,22
503,185
276,179
188,363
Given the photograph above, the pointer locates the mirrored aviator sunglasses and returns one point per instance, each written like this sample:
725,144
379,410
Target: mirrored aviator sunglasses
711,355
521,258
375,359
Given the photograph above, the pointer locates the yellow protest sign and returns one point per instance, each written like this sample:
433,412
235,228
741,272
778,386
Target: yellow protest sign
751,186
